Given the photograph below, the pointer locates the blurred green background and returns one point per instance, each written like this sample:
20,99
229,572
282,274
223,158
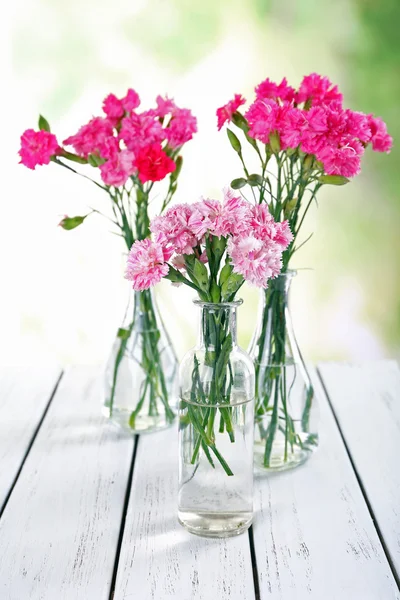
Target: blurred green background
65,290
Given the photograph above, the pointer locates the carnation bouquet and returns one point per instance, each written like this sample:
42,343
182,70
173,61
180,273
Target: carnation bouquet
129,151
213,248
302,140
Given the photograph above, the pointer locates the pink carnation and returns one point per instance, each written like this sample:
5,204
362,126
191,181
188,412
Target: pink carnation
116,108
381,140
91,136
153,164
109,148
262,117
147,264
224,113
263,227
342,160
118,169
220,219
181,127
317,89
269,89
141,130
165,106
357,125
37,148
173,228
257,261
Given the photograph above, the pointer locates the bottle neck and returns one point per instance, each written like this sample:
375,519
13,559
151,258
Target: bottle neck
279,286
217,324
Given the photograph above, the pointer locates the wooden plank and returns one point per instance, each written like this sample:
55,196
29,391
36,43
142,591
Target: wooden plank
314,537
366,401
24,395
159,560
59,532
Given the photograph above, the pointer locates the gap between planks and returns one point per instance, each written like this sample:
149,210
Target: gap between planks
30,444
360,483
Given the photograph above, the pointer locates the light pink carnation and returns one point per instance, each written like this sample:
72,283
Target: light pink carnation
118,169
90,136
318,90
181,127
37,148
173,228
263,227
224,113
257,261
147,264
220,219
381,140
141,130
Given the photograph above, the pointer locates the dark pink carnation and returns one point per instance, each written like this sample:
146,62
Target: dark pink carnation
262,117
140,130
91,136
224,113
269,89
181,127
130,101
116,108
165,106
118,169
343,160
109,148
357,125
37,148
380,139
153,164
318,90
147,264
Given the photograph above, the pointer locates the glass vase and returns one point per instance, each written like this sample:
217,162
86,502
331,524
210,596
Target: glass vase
286,413
216,427
141,373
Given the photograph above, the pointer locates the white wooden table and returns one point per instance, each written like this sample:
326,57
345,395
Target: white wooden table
88,514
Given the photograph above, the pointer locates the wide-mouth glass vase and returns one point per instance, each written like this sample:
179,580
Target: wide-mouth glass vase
286,413
216,427
141,374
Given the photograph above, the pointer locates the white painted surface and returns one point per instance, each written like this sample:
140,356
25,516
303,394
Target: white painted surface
313,534
59,532
366,400
24,394
159,559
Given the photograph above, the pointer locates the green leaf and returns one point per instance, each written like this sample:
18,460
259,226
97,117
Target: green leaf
239,120
215,292
225,273
274,142
174,275
236,184
69,223
333,179
255,180
234,140
289,207
95,161
201,274
175,174
43,124
74,157
123,334
231,285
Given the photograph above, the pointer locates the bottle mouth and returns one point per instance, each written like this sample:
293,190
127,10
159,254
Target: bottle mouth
218,305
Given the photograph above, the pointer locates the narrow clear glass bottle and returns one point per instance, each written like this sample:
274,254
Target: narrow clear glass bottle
141,374
286,413
216,427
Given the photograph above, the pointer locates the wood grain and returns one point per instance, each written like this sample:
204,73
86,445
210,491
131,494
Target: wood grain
24,395
159,559
313,534
366,401
59,533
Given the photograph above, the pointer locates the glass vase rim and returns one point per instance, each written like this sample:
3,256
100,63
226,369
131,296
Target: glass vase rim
289,274
218,305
